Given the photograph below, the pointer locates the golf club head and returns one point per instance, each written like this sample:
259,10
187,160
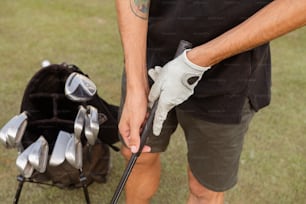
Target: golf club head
39,155
16,130
94,120
13,130
58,153
79,155
79,88
79,122
91,125
3,134
73,153
22,163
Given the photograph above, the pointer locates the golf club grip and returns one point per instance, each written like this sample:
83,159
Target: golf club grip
183,45
145,133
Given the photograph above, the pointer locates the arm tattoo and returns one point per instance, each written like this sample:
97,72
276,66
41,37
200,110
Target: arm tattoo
140,8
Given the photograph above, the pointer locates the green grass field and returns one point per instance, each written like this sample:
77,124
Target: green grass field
273,163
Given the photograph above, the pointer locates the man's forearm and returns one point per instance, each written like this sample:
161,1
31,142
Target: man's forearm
133,25
276,19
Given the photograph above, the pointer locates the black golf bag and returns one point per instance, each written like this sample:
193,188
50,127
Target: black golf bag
49,112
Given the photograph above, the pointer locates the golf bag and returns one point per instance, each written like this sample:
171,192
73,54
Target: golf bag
50,112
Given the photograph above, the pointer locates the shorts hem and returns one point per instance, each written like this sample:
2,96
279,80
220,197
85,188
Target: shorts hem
157,150
214,188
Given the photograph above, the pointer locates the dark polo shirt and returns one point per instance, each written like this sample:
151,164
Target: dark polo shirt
221,93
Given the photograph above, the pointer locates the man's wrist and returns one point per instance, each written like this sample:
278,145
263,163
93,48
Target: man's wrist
137,84
199,58
192,64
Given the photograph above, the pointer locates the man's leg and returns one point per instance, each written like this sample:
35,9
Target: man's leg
213,154
144,179
198,194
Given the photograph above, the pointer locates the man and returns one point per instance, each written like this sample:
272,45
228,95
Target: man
211,90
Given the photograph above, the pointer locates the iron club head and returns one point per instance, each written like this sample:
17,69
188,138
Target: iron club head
92,125
79,122
73,153
39,155
58,153
17,129
12,132
3,135
22,163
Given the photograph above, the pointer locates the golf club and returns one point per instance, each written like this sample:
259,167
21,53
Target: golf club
146,131
3,134
38,157
79,122
58,153
22,163
74,156
13,130
79,88
73,153
91,125
16,130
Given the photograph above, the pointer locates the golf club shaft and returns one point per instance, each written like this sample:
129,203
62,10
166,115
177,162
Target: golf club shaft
124,179
144,135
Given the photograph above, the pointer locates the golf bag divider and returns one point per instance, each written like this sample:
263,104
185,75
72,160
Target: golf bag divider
51,120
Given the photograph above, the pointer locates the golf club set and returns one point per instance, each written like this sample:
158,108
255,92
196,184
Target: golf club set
68,146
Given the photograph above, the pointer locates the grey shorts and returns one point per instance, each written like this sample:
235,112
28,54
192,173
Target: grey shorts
213,149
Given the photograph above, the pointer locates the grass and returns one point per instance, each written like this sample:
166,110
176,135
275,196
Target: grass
273,163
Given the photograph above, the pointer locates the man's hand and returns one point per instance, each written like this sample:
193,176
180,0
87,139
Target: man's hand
133,116
174,83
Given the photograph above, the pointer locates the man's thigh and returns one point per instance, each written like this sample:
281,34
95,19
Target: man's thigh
214,149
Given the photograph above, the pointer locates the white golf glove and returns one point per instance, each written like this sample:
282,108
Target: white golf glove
173,84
